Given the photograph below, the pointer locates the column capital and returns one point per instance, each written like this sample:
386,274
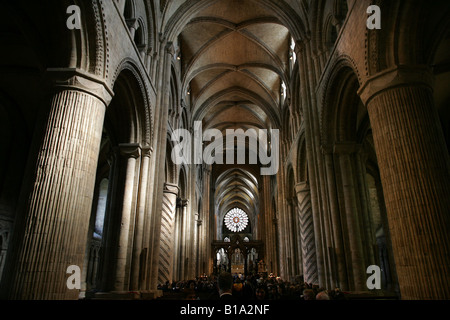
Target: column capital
147,151
131,150
299,46
170,48
171,188
395,77
80,80
132,23
182,203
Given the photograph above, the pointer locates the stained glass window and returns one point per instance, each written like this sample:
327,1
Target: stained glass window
236,220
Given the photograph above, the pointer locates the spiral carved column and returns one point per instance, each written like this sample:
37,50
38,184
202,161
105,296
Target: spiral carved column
309,257
167,233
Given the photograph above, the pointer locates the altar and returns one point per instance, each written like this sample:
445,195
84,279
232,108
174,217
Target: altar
237,269
236,256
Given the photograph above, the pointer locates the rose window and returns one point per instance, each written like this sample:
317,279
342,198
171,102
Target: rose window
236,220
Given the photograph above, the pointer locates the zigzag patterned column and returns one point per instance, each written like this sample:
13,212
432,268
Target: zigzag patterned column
309,258
167,233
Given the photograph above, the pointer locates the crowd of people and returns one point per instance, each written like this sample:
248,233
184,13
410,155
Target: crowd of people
255,287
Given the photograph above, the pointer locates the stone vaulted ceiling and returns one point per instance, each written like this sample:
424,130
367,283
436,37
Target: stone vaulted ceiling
235,59
234,56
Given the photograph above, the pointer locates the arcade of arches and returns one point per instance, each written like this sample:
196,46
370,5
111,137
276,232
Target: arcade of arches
87,116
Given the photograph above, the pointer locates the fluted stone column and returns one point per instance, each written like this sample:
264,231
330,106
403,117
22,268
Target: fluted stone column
167,233
309,258
52,226
414,168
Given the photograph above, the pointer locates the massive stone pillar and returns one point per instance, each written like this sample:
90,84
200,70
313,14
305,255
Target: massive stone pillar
167,233
414,168
51,232
309,258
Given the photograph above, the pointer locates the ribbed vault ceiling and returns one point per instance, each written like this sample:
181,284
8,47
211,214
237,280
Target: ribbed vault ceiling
235,57
236,188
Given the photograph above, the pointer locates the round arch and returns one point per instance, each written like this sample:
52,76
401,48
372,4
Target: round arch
132,102
339,102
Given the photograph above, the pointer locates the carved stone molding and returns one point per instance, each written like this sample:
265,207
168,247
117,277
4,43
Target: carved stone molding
395,77
171,188
132,150
146,151
80,80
